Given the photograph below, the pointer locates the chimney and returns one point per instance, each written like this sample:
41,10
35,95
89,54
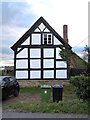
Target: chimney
65,33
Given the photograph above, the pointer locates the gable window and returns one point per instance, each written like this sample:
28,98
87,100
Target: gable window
47,39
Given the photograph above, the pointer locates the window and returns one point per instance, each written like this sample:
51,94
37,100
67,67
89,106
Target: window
6,80
47,39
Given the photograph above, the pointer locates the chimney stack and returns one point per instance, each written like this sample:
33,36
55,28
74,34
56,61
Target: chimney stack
65,33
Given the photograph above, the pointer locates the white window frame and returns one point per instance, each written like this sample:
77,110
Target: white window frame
47,38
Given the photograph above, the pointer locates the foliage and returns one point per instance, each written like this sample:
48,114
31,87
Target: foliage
79,62
78,107
65,53
87,51
69,104
32,90
82,84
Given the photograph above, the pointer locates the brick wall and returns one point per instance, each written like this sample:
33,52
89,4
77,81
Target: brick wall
28,83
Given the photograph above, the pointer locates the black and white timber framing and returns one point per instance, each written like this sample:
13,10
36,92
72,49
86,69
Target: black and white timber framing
36,54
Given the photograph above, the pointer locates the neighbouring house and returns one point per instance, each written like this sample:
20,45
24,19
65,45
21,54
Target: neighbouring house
36,54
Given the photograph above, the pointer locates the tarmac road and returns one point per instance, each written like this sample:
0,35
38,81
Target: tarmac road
41,115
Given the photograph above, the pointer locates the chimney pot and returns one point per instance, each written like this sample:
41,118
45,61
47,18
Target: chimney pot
65,33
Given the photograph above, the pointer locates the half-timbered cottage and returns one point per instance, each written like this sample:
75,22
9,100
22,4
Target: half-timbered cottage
36,54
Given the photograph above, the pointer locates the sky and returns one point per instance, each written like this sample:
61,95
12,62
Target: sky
18,16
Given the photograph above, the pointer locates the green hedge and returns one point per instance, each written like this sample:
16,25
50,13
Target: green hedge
82,84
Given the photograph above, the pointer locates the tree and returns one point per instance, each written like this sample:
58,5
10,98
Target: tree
87,50
66,53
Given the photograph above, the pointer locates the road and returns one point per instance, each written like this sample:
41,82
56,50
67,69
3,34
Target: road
41,115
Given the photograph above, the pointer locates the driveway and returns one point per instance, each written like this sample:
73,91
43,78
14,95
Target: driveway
22,98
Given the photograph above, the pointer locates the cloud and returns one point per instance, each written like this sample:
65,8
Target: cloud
10,34
17,17
58,12
15,13
6,59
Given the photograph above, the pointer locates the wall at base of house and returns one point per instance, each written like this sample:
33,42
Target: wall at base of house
28,83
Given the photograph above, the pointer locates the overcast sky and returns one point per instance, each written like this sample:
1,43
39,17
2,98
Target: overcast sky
18,17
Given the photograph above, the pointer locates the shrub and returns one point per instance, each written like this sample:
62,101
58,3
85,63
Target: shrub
82,84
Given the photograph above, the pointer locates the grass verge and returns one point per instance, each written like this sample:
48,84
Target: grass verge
32,90
70,103
78,107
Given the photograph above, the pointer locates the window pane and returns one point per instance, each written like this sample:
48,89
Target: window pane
35,74
48,63
61,64
48,52
61,73
21,74
48,74
49,38
36,39
35,53
57,53
23,53
35,63
21,64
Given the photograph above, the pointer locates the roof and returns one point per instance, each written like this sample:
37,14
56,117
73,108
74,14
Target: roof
34,26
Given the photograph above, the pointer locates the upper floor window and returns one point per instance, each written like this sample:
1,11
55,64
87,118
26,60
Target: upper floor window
47,39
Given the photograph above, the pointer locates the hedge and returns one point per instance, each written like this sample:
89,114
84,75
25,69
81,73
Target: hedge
82,83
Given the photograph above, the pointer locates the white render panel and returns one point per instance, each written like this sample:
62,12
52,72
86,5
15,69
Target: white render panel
35,53
23,53
48,52
35,63
21,64
61,64
36,39
35,74
57,53
26,42
18,49
36,30
56,41
21,74
48,73
48,63
46,30
61,74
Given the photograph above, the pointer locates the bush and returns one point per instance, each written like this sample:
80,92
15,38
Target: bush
82,84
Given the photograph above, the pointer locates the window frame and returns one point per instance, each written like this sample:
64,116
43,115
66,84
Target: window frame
47,37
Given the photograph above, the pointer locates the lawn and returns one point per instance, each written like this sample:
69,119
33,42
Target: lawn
69,104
